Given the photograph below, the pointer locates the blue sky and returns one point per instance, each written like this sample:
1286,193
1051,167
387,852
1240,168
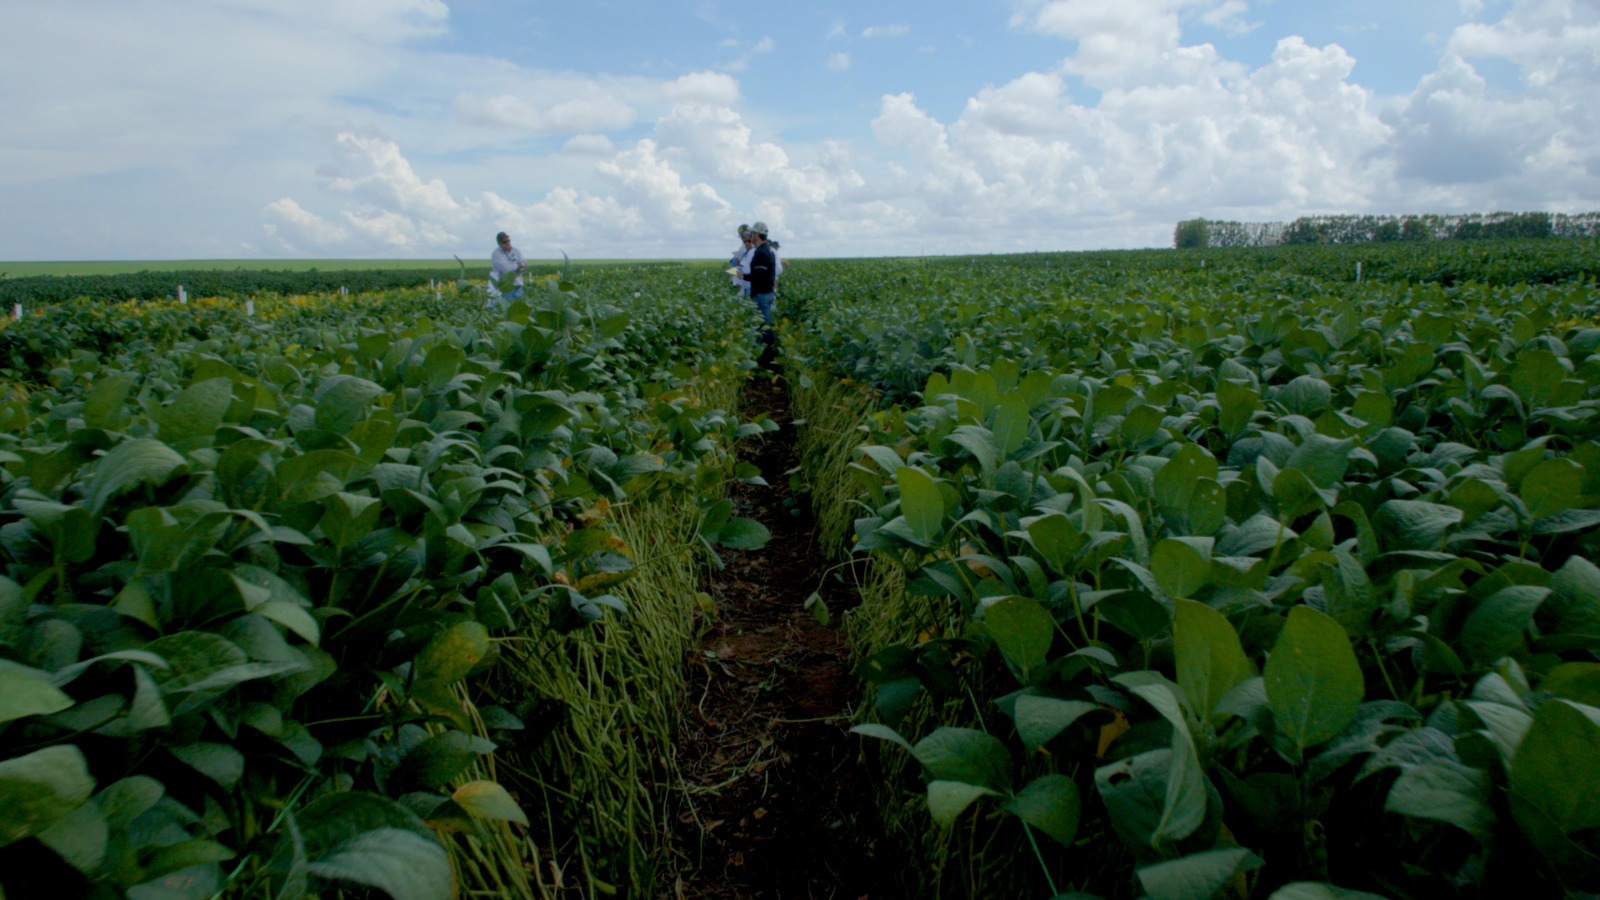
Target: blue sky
180,129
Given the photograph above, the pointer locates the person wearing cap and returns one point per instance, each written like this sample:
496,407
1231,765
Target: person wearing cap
762,274
736,261
742,267
503,260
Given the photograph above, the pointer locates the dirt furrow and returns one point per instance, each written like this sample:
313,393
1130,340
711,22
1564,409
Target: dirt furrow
773,804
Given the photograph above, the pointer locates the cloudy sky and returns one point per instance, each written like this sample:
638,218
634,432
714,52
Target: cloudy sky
188,129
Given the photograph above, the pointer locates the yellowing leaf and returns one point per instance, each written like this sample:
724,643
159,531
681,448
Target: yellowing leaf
488,800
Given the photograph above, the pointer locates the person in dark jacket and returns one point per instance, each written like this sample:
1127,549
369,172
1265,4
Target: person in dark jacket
763,278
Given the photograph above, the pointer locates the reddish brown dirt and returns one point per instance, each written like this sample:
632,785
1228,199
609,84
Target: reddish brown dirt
773,804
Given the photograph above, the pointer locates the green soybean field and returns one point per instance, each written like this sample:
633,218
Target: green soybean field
1182,574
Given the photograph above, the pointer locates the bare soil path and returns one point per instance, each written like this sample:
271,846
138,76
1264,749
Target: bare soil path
773,804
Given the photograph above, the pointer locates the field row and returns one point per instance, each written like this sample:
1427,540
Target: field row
297,596
1228,583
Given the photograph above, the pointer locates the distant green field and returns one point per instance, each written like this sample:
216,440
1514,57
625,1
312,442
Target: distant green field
125,267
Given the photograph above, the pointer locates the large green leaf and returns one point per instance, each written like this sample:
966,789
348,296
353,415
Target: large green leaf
129,464
948,799
1207,511
1210,659
1155,798
71,529
1545,773
1496,627
1414,524
714,517
1011,423
1254,537
1551,487
1577,681
1351,600
881,732
170,870
920,503
1294,494
1199,876
442,363
744,534
1305,395
342,401
281,602
1236,405
1050,803
978,387
1175,483
1022,629
201,666
103,407
1570,616
370,840
80,837
1040,719
1164,696
40,788
966,755
1445,791
888,461
1536,375
125,800
1323,459
219,762
434,762
28,693
1055,539
1313,680
318,473
1376,408
194,657
195,413
1553,798
979,442
346,518
1182,565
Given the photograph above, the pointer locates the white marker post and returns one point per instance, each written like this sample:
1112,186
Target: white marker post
250,307
1358,271
16,312
183,297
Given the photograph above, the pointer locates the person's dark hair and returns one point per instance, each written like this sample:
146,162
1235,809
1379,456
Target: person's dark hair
500,237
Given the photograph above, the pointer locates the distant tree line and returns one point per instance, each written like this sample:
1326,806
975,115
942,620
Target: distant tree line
1383,229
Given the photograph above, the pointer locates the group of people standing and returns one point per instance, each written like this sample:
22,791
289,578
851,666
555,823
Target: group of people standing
755,267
